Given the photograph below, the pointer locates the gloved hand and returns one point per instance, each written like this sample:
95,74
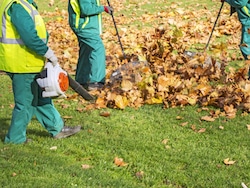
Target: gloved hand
108,9
51,57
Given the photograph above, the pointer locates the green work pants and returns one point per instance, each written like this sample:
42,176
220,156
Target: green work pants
91,66
245,43
28,103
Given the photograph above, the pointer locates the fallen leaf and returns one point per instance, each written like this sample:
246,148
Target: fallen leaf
80,109
179,117
207,118
230,111
100,102
228,162
86,166
184,124
202,130
105,114
53,148
121,102
248,127
139,174
67,117
165,141
119,162
221,127
126,85
193,127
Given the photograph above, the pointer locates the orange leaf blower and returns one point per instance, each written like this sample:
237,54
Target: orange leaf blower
55,82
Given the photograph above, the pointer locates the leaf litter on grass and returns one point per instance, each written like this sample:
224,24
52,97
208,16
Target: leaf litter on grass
157,69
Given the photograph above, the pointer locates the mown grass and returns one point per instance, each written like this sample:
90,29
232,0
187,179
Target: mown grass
161,150
152,140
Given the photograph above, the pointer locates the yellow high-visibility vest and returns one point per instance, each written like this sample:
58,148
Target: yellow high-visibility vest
15,57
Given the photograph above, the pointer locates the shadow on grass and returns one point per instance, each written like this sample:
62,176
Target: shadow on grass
40,133
37,129
5,123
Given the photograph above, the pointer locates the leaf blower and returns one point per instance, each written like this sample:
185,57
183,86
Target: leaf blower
55,82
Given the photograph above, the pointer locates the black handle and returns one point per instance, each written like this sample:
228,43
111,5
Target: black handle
119,38
214,25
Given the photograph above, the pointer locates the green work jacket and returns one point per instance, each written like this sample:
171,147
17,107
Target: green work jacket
85,17
242,7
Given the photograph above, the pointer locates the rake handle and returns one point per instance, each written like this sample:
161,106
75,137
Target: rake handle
118,36
214,26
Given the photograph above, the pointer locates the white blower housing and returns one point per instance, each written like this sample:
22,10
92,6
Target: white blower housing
54,81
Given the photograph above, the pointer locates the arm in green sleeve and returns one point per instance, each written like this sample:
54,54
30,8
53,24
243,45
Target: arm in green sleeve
237,3
26,28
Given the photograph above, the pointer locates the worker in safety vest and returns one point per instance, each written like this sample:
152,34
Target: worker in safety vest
85,21
23,51
242,7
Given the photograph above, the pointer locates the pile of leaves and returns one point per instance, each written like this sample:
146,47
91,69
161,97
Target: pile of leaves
158,67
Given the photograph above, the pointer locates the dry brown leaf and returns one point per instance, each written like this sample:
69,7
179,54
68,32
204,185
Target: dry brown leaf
165,141
100,102
230,111
126,85
193,127
179,117
248,127
207,118
121,102
202,130
139,174
65,106
221,127
119,162
105,114
86,166
80,109
228,162
184,124
67,117
53,148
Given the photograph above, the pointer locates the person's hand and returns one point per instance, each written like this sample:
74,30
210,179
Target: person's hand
108,9
51,57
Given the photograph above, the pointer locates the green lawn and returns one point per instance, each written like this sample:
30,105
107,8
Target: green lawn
164,150
161,147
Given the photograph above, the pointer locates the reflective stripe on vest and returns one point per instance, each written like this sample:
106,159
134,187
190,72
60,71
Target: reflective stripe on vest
99,18
76,8
246,10
4,38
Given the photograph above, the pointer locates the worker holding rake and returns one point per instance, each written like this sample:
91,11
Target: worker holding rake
85,21
242,7
23,51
